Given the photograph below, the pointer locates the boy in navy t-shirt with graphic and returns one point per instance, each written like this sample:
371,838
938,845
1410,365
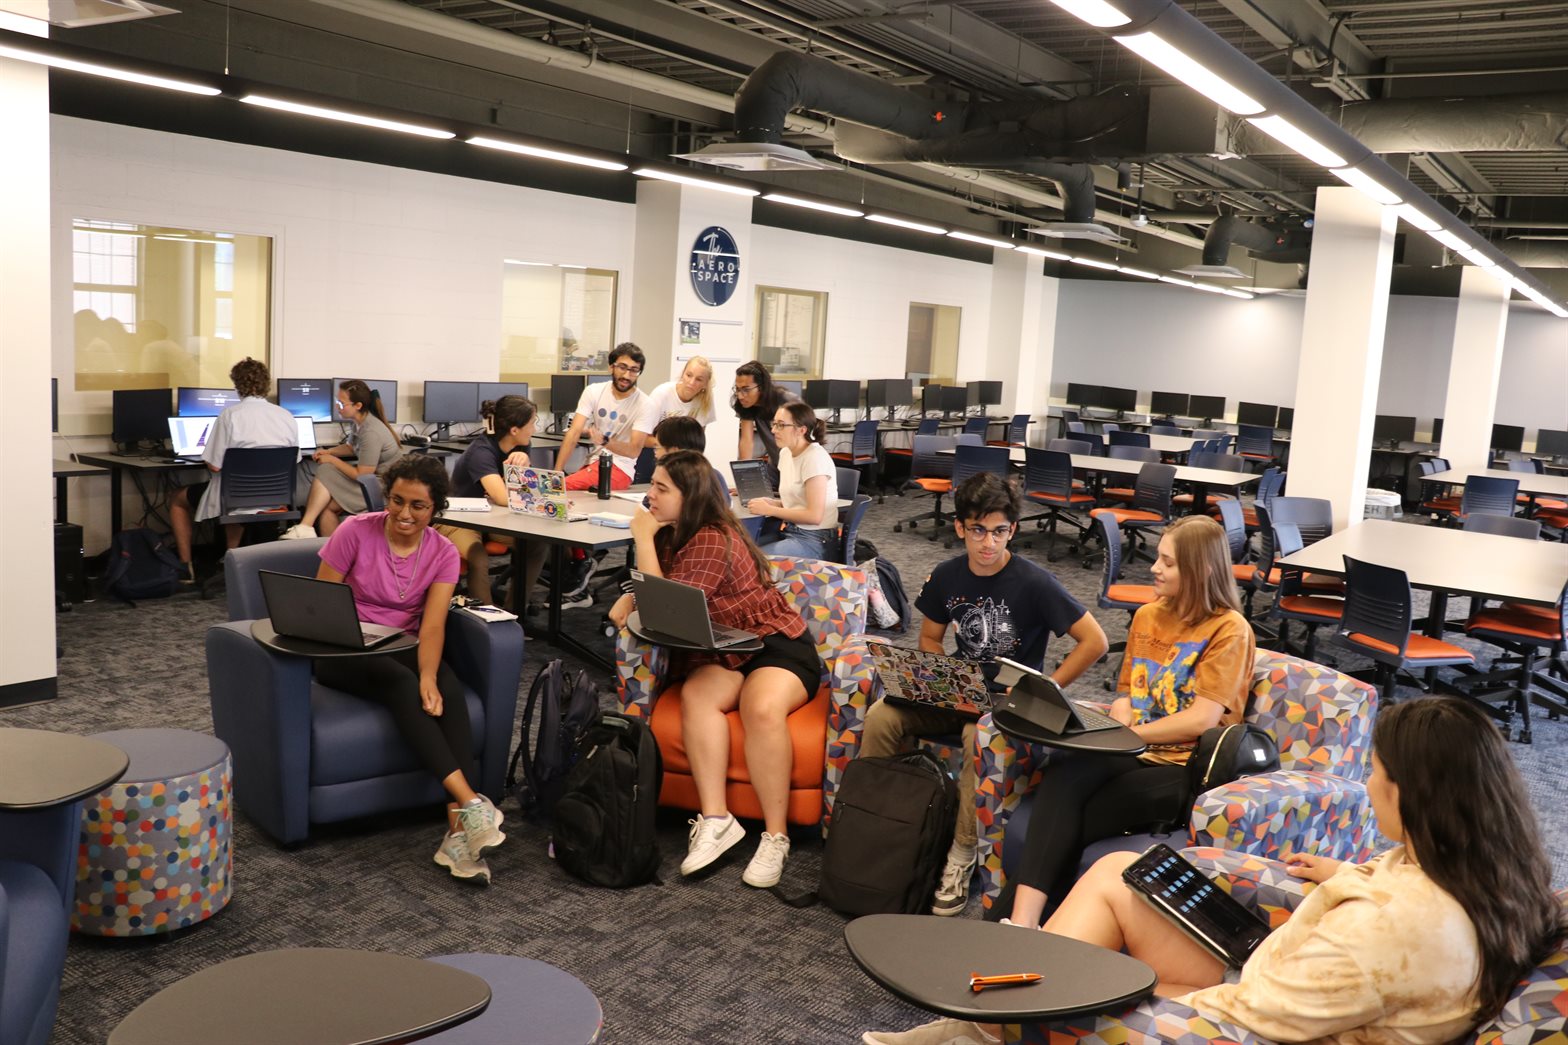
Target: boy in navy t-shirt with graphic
998,605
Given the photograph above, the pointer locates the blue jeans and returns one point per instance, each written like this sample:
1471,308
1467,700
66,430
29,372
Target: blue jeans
801,543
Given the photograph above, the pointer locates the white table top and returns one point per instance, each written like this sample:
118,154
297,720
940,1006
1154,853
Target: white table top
1440,559
1220,477
1529,482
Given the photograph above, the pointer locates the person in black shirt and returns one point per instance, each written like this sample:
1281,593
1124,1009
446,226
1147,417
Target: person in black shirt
998,605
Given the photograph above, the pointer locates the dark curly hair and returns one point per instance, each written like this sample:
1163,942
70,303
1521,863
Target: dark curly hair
419,468
251,378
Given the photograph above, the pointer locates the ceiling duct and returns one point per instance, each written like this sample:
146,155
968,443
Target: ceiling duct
1497,123
1265,242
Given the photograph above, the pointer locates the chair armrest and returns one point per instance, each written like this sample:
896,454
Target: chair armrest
261,709
488,657
1287,811
1256,882
1005,771
640,670
1152,1022
854,688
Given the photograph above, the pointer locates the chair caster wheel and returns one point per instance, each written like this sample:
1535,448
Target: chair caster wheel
898,527
1110,687
1524,736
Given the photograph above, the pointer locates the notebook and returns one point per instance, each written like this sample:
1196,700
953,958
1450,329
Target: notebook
468,504
682,613
932,680
321,611
751,479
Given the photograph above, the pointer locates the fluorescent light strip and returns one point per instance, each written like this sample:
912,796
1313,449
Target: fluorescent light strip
109,72
1096,12
1023,248
564,265
827,208
535,264
1293,137
1409,213
1368,186
1176,62
905,223
1000,244
699,183
546,154
344,117
1096,263
1475,257
1140,273
1209,288
1233,293
1176,282
1448,239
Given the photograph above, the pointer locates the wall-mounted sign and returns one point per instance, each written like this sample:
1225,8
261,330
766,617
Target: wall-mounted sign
691,332
715,265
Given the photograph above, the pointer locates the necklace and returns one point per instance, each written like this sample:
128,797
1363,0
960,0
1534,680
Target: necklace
403,585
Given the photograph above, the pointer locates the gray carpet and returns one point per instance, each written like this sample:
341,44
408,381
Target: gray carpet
686,961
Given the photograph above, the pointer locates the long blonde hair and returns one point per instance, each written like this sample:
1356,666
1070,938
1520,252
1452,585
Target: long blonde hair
1202,555
703,399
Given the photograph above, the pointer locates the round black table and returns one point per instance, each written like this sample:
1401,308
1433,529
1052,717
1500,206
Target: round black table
1119,741
40,768
307,996
634,625
262,631
928,960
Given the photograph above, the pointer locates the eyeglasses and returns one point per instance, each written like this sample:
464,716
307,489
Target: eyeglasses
775,425
742,390
397,503
980,533
629,371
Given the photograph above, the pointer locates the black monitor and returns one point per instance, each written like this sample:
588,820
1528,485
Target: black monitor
1083,395
931,398
1168,404
140,414
1508,437
1287,418
203,402
386,390
1437,430
1263,414
1393,428
54,404
954,399
565,391
844,395
1208,407
1551,442
890,392
493,390
985,393
818,394
794,388
1121,400
451,402
310,397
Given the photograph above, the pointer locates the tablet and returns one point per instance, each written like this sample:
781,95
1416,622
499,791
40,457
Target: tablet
1165,879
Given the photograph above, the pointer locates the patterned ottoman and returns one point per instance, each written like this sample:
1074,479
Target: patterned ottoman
154,853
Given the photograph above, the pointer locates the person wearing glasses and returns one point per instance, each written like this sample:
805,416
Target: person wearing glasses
808,488
756,401
998,605
609,411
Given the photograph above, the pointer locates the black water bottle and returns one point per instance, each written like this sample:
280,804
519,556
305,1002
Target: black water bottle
605,464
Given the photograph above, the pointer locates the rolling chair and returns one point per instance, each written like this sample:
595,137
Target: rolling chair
1115,595
1376,624
256,486
1149,509
970,460
1048,482
977,426
1017,432
1126,452
1488,494
37,892
1295,600
1255,443
862,453
848,484
1120,438
927,426
849,520
931,471
1524,631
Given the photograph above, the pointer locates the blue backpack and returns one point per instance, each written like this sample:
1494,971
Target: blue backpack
561,706
142,565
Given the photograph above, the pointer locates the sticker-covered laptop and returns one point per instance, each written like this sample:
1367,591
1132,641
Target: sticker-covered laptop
931,680
536,491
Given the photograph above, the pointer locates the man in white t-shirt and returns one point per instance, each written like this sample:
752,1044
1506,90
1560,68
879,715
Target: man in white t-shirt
609,411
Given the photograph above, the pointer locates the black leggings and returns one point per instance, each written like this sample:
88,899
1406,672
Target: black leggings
445,744
1084,797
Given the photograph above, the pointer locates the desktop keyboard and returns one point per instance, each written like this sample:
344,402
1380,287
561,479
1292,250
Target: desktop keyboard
1093,719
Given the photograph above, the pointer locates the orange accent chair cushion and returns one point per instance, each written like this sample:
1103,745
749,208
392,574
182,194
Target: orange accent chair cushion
1420,647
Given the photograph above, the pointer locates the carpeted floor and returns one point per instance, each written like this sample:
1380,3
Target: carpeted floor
708,960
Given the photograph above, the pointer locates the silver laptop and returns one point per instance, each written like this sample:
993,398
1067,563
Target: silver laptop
321,611
751,479
307,432
682,613
188,436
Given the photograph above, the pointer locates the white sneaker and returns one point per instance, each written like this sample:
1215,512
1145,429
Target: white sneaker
952,893
298,532
481,824
455,857
767,864
710,839
937,1032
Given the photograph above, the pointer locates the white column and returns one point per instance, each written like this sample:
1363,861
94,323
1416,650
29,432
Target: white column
27,646
1341,351
1021,340
1474,369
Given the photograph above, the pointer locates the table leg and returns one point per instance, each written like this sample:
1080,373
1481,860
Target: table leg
115,520
1200,499
1437,614
61,511
553,630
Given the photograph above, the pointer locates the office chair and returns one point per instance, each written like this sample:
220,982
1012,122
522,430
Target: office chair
1530,501
1164,430
371,485
1048,482
1124,494
1442,506
849,520
1523,630
848,484
1376,623
1294,600
970,460
1255,443
1150,506
1488,494
927,426
1017,432
862,453
1503,525
1269,487
1219,461
1116,437
932,472
642,471
1236,538
1113,594
977,426
255,486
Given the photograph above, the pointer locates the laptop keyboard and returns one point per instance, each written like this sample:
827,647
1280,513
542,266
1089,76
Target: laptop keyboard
723,636
1093,719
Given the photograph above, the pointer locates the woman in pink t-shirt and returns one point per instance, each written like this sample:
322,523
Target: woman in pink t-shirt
403,574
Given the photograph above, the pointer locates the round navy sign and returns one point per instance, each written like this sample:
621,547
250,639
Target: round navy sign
715,265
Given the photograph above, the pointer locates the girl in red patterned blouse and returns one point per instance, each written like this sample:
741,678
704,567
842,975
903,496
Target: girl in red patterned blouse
687,534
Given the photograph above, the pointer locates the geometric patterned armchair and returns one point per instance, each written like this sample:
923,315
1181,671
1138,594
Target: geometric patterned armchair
1535,1012
825,731
1315,802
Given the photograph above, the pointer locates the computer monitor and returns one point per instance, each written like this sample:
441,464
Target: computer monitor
493,390
844,395
985,393
1437,429
889,392
794,388
1508,437
931,398
1287,418
1393,428
1121,400
954,398
818,394
386,390
1168,404
1264,414
1208,407
195,402
451,402
1083,395
54,404
1551,443
565,391
140,414
308,396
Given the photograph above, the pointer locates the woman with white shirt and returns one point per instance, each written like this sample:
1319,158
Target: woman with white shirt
808,488
690,396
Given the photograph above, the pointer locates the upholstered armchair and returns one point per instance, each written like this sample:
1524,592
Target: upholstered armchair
825,730
37,886
1316,802
307,754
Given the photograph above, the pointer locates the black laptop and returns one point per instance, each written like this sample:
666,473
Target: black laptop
320,611
751,479
681,611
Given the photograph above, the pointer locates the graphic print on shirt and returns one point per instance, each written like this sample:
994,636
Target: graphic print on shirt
1164,686
984,629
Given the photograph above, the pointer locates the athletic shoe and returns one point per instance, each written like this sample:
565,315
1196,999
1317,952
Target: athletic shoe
298,532
578,601
952,893
455,857
577,576
481,823
937,1032
710,839
767,863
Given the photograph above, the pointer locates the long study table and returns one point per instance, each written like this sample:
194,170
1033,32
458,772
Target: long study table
1201,479
1530,483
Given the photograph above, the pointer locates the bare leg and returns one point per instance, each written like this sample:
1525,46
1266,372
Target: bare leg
331,515
706,696
766,700
478,572
233,534
315,502
180,523
1028,906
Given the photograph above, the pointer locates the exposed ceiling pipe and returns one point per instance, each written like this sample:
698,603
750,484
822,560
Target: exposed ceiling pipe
1266,243
1533,254
789,80
1497,123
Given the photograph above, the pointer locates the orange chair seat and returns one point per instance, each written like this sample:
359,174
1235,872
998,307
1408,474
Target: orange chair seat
808,728
1127,515
1313,606
1142,594
1441,504
1501,621
1420,647
1208,499
901,451
851,458
1546,504
1118,493
1257,457
1556,520
935,485
1051,498
1243,572
498,547
1549,612
1323,582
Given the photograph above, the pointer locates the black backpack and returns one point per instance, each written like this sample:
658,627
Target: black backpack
893,590
566,704
1227,753
892,826
604,820
142,565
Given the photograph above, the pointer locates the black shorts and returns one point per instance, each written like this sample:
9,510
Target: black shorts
794,655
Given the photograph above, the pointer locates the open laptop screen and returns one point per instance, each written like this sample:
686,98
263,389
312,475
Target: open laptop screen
188,435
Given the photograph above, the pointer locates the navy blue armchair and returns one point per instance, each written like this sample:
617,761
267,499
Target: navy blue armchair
307,754
37,884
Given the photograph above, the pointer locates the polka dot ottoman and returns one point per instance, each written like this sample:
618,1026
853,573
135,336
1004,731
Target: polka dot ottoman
154,851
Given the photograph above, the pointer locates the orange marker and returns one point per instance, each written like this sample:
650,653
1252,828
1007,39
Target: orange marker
978,983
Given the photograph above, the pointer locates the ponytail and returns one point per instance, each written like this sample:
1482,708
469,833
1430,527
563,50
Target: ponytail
359,392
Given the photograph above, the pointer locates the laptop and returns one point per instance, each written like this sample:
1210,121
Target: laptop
931,680
188,436
321,611
1037,706
682,613
307,432
751,479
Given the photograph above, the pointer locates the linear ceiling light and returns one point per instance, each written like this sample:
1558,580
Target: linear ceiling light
344,117
1475,257
535,264
1293,137
1234,293
1140,273
700,183
905,223
1210,288
1409,213
547,154
1448,239
1024,248
827,208
1175,282
1000,244
1191,72
1368,185
23,54
1096,263
1095,12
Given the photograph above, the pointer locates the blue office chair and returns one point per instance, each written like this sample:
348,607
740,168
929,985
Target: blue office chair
849,520
375,501
642,471
1115,595
1124,494
977,426
1017,432
1116,437
927,426
1490,495
37,889
1048,482
1255,443
1164,430
970,460
931,471
862,454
